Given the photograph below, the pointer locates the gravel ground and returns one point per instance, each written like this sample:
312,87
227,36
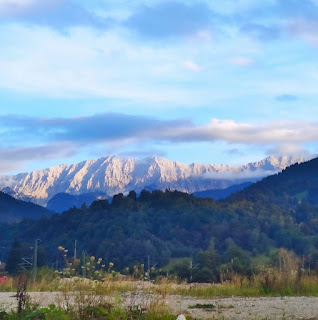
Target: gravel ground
249,308
235,308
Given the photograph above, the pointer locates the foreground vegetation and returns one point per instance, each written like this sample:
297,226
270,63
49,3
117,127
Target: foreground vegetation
117,297
267,282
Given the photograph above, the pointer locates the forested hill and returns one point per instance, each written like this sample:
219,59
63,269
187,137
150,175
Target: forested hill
12,210
168,224
296,184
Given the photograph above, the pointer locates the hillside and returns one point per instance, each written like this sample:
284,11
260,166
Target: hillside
297,184
64,201
13,210
218,194
111,175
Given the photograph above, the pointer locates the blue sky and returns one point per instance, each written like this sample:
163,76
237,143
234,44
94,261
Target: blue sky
228,81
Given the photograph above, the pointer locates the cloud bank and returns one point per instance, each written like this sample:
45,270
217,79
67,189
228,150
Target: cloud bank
57,14
116,126
157,20
171,19
51,138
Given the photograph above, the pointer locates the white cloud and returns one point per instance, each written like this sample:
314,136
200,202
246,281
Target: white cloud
66,137
289,150
15,3
247,174
305,29
281,132
16,158
204,35
87,64
190,65
120,127
243,61
18,8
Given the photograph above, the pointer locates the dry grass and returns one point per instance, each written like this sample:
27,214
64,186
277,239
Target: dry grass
268,282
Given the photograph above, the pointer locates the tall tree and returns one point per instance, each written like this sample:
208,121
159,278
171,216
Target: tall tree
14,258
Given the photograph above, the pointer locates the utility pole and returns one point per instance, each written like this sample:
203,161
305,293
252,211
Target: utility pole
75,249
191,267
84,265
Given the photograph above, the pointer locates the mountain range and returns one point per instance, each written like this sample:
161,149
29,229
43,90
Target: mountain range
111,175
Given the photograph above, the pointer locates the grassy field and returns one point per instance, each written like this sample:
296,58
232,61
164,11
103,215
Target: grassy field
267,282
81,298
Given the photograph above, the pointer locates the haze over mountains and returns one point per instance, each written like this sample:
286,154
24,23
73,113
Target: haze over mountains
111,175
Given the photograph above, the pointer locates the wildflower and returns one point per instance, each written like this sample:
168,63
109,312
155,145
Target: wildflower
111,264
92,258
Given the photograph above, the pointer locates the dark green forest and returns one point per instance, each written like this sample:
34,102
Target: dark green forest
13,210
280,211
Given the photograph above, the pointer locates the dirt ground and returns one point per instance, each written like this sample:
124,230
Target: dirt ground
235,308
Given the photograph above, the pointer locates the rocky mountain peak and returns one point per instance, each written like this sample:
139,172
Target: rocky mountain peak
113,174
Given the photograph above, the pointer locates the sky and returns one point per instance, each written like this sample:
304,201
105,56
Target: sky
229,81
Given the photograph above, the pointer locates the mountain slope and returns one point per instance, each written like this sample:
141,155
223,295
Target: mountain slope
298,183
64,201
13,210
111,175
218,194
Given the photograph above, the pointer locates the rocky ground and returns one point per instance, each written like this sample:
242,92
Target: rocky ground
235,308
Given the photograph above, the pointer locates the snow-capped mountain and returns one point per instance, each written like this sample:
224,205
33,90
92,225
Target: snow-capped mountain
111,175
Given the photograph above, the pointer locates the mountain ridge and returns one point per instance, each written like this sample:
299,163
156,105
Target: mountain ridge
13,210
113,174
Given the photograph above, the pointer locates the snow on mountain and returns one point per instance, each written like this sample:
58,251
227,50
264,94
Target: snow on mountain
113,174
